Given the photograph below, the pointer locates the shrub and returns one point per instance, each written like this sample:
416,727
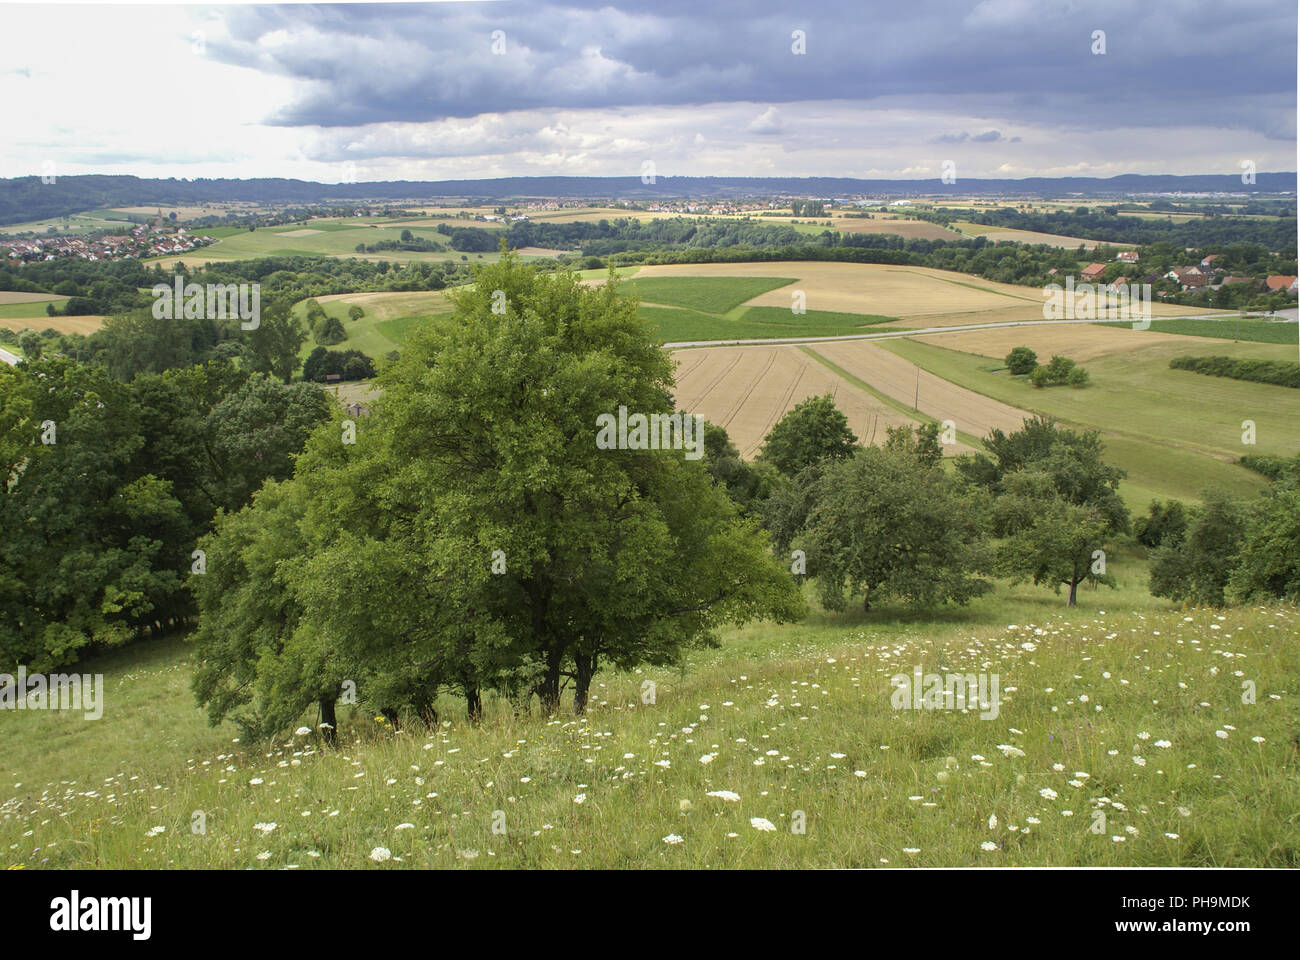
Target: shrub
1276,372
330,331
1078,377
1021,361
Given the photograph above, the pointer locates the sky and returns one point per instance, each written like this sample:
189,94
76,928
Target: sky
861,88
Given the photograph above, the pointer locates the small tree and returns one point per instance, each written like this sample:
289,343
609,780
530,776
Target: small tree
1048,539
1021,361
330,331
888,523
355,313
813,431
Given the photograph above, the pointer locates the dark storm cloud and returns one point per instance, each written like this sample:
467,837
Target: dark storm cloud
1166,63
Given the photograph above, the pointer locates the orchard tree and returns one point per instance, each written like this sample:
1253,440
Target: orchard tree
1048,539
813,431
890,522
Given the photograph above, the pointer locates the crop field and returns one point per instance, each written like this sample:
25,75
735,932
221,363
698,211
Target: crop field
903,382
706,294
676,325
1029,236
88,324
900,226
1229,328
746,390
867,288
8,297
1078,341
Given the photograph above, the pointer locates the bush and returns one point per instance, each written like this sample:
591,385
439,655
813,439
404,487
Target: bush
1276,372
348,364
330,331
1021,361
1058,371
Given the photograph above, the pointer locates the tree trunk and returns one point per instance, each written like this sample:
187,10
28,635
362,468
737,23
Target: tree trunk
474,704
1074,591
389,714
548,689
330,725
586,669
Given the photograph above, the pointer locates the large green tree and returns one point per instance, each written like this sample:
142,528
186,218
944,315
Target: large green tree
470,534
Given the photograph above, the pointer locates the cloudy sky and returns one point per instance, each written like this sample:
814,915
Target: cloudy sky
426,91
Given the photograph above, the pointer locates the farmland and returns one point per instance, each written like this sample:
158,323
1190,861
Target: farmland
746,390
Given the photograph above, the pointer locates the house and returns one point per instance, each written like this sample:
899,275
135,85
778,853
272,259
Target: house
1127,256
1278,282
1208,262
1093,270
1228,280
1117,284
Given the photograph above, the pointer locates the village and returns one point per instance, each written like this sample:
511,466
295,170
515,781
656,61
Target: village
142,241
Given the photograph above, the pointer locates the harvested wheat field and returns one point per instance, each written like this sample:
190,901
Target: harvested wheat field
304,232
868,288
903,228
747,390
85,325
1078,341
22,296
971,412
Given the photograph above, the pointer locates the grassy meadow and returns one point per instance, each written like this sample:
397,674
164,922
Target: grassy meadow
1122,707
1175,432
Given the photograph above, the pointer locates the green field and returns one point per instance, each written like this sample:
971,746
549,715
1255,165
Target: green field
1254,331
34,310
711,308
379,330
1176,433
707,294
1114,708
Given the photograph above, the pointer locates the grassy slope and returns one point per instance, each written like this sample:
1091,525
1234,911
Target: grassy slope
375,334
1171,430
789,715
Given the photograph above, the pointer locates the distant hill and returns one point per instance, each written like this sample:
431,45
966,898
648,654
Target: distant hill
26,198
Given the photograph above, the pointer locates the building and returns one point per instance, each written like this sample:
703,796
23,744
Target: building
1127,256
1093,270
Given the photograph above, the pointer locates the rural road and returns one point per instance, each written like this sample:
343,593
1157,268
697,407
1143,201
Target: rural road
9,358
